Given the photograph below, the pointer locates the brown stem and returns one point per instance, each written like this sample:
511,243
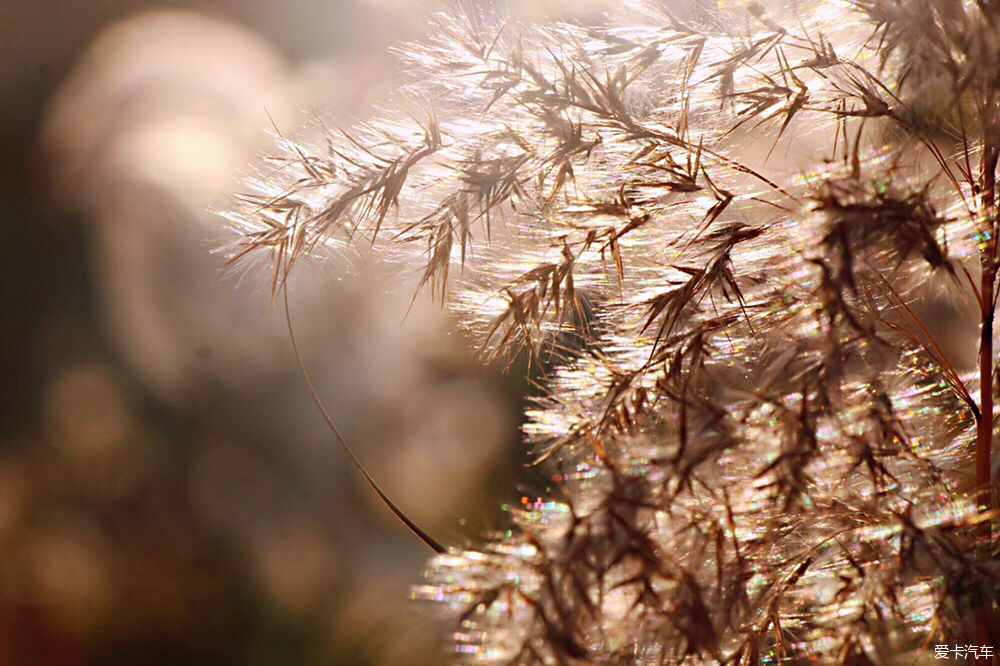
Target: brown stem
986,615
984,435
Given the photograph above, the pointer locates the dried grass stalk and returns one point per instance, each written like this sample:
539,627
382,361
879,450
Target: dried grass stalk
713,229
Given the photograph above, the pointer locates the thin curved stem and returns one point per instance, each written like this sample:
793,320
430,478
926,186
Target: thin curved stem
421,534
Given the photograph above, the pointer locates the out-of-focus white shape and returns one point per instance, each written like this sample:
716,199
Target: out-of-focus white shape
153,125
171,98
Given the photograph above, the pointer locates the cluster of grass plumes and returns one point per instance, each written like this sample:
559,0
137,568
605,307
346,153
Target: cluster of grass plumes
709,228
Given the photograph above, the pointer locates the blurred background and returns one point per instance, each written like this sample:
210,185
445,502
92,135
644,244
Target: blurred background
168,491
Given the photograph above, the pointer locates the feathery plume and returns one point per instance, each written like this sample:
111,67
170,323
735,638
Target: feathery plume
716,229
